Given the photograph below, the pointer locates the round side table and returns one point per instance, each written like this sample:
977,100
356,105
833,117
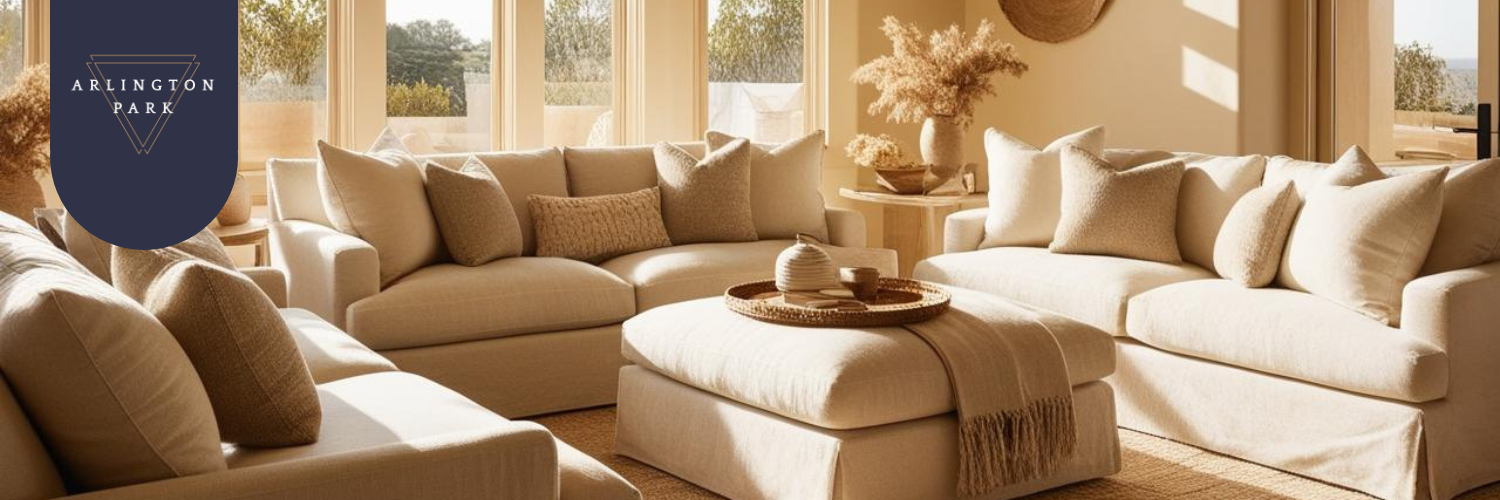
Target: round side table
255,232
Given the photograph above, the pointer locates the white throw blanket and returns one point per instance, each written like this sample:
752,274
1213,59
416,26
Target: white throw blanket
1010,384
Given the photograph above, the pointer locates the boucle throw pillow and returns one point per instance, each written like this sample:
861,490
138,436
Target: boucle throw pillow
1248,250
379,197
1126,213
475,215
784,181
1469,231
260,388
1026,186
1210,187
708,200
596,228
1359,246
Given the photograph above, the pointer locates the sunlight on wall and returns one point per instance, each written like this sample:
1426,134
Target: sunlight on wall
1224,11
1210,79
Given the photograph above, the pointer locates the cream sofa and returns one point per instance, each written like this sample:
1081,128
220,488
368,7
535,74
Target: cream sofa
1275,376
526,335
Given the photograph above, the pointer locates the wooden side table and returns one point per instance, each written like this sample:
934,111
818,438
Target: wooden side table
255,232
913,224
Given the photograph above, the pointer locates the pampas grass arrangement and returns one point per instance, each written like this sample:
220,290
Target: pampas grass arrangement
945,74
25,131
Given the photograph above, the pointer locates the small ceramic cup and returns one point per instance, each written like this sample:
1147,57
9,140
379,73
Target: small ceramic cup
863,281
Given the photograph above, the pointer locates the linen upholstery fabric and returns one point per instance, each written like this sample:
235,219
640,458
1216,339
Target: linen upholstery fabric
841,378
476,218
784,180
110,393
1291,334
708,200
330,353
29,472
292,191
88,250
597,228
1130,213
139,273
378,196
1250,245
326,270
448,303
1352,168
1359,246
1089,288
257,382
269,280
521,174
597,171
1210,187
1468,233
1026,186
846,228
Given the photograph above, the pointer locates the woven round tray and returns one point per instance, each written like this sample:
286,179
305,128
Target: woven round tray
900,301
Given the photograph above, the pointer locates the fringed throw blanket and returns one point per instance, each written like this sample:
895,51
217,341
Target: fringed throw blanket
1010,384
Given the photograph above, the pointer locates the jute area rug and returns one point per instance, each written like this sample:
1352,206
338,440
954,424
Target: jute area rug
1155,469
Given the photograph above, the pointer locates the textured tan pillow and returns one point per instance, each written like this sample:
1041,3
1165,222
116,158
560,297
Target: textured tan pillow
708,200
1210,187
134,280
1130,213
784,181
1359,246
107,389
1248,250
1469,233
260,388
597,228
379,197
1026,186
477,220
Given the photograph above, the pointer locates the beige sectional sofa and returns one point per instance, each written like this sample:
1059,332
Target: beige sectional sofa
525,335
1272,375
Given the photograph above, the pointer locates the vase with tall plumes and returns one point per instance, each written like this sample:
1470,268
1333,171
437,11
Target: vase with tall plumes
25,133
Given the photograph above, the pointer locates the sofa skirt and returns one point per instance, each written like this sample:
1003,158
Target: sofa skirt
748,454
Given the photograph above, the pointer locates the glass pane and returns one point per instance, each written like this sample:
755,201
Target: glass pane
577,77
12,41
283,82
755,85
438,74
1436,79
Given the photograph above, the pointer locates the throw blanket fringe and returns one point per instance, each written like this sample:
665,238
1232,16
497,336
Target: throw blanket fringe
1014,446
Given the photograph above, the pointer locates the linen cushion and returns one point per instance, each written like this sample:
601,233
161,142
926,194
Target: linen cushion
1026,186
1291,334
1352,168
30,474
784,181
135,280
1092,289
840,378
449,303
108,390
259,386
1359,246
521,174
1249,247
1210,187
708,200
378,196
598,171
1127,213
596,228
476,218
330,353
1468,233
88,250
294,194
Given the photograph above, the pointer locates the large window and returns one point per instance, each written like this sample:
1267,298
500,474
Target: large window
283,82
1436,79
578,83
756,83
12,41
438,85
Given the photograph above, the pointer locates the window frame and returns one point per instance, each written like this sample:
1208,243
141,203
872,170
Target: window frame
814,65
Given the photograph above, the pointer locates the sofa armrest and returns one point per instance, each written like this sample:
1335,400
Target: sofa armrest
846,228
270,280
1456,312
963,231
326,270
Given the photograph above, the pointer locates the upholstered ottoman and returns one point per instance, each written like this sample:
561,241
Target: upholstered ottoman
753,410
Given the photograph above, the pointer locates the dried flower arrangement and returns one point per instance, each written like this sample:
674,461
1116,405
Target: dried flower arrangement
877,152
945,74
26,125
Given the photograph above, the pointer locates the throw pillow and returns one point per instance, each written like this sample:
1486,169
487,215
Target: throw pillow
1359,246
1469,231
596,228
1210,187
261,391
1126,213
1352,168
1248,250
134,280
1026,186
378,196
88,250
708,200
784,181
473,212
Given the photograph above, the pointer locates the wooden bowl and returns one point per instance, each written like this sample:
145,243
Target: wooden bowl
902,180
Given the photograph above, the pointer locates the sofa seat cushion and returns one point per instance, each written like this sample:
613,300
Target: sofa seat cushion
449,303
1291,334
330,353
684,272
1088,288
835,378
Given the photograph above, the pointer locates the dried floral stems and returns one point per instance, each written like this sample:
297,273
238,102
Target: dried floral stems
26,124
875,152
945,74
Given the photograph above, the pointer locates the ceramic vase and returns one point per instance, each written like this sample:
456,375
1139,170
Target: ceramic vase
805,268
20,196
942,142
237,208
